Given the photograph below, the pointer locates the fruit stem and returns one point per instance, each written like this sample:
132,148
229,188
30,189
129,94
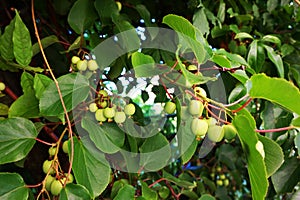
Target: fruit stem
243,106
166,89
275,129
155,182
215,116
42,141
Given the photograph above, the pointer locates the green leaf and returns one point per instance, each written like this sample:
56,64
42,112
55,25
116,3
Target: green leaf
276,59
148,193
206,197
46,42
145,14
74,88
40,83
82,15
187,33
177,181
245,126
273,155
256,56
221,60
6,42
21,42
107,138
200,21
296,122
287,177
90,169
3,109
297,143
155,152
105,9
243,35
272,39
75,45
12,186
74,192
127,192
273,90
17,137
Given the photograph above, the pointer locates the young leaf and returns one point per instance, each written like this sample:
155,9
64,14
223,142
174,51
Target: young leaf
273,155
200,21
155,152
272,39
74,191
276,90
12,186
21,42
3,109
40,83
89,169
276,59
108,138
148,193
256,56
221,60
105,9
47,41
82,15
127,192
243,35
6,42
207,197
245,126
74,88
17,137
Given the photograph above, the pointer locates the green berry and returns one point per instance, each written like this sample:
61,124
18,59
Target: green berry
109,112
93,107
196,107
120,117
129,109
70,179
102,94
229,132
164,192
48,182
52,151
92,65
192,68
119,5
103,104
65,146
184,113
170,107
82,65
219,182
226,182
2,86
75,59
56,187
99,115
219,169
47,166
215,133
222,176
199,127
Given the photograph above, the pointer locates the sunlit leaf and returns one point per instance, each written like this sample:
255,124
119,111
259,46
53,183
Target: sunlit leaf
12,186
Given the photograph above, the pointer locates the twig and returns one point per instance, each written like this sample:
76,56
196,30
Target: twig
275,129
297,2
57,86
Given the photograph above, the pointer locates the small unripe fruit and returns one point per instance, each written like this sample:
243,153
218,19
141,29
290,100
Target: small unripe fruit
129,109
192,68
93,107
219,182
75,59
70,179
52,151
99,115
218,169
226,182
222,176
103,104
2,86
260,148
229,131
48,182
211,121
196,107
199,127
120,117
47,166
102,94
164,192
56,187
92,65
212,175
119,5
109,112
215,133
200,92
170,107
65,146
82,65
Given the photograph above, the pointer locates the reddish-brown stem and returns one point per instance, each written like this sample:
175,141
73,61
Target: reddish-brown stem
10,93
157,181
172,191
42,141
243,106
166,89
34,186
275,129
